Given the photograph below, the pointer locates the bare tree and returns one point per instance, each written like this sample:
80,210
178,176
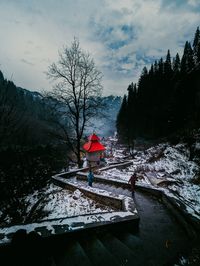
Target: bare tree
79,89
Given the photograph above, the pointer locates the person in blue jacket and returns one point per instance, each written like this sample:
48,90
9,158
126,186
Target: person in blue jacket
90,178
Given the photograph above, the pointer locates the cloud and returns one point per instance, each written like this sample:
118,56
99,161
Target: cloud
194,3
122,36
27,62
181,5
154,31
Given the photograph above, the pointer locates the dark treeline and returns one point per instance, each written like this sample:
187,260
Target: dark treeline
31,149
21,112
166,98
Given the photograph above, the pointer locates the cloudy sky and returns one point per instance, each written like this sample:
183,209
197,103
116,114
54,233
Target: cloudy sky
121,35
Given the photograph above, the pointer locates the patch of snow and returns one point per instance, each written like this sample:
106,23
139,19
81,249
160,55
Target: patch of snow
66,204
182,262
56,202
197,146
164,162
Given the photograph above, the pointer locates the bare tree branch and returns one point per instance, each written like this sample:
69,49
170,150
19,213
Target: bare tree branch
79,84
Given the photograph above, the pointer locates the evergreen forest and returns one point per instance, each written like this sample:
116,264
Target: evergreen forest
166,99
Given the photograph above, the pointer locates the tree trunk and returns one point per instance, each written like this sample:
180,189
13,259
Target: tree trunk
79,153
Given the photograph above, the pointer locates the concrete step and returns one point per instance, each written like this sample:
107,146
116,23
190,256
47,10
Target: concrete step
130,240
98,254
118,249
136,245
74,256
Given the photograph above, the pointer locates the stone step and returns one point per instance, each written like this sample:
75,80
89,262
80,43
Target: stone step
123,254
130,240
134,243
98,254
74,256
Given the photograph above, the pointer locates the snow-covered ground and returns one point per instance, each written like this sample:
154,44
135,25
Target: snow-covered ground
164,162
160,162
61,203
68,211
64,203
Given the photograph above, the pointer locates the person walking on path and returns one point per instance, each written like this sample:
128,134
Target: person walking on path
90,178
132,181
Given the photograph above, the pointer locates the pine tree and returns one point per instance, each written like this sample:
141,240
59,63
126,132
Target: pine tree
121,122
187,61
168,65
176,64
1,77
151,71
160,67
155,67
131,116
191,62
142,81
196,46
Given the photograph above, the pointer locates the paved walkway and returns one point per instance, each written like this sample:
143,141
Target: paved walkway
159,240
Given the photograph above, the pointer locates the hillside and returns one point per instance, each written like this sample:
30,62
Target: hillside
38,109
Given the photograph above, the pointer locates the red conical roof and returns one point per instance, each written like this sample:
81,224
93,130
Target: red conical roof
93,144
93,137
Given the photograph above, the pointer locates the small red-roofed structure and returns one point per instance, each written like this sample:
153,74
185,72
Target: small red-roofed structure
93,137
93,148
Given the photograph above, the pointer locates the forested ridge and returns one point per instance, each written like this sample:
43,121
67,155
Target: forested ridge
29,154
21,111
166,98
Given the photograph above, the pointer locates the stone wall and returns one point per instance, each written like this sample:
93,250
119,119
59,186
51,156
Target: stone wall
115,203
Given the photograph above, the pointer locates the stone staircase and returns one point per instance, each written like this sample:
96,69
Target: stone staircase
158,241
100,249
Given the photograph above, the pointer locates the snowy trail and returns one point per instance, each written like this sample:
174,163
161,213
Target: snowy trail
160,241
159,235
